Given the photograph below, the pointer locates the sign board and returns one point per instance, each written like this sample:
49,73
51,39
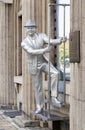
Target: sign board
75,47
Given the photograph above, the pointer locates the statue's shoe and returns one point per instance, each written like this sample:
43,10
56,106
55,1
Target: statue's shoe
39,110
56,102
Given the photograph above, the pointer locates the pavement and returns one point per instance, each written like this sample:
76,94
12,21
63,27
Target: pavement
7,123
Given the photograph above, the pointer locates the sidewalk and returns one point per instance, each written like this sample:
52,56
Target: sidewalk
6,123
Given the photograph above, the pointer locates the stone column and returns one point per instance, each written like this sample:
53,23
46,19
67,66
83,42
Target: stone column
6,54
77,90
2,51
27,85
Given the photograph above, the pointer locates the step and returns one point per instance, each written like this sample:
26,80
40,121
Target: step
22,122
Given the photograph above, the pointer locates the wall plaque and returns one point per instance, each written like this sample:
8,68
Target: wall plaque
74,47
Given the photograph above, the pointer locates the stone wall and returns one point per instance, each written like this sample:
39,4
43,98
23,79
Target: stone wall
77,91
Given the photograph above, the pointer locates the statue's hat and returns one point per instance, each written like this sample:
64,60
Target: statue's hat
30,23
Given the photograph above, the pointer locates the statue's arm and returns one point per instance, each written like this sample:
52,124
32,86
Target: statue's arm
55,41
33,51
52,41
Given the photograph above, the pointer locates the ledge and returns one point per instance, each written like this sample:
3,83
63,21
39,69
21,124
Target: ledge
18,79
7,1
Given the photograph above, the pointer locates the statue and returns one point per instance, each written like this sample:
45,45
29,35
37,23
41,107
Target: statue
34,45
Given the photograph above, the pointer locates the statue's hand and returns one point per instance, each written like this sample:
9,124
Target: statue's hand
64,39
60,40
47,49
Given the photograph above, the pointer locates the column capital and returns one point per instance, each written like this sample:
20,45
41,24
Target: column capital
7,1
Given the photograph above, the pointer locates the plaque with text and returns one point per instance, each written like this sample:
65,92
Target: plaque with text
74,47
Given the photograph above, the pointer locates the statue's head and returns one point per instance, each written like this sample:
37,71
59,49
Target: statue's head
31,27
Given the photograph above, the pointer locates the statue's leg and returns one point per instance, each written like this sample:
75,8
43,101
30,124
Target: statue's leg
37,83
54,74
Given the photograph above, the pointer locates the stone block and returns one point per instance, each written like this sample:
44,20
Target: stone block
43,124
31,123
22,122
50,125
5,107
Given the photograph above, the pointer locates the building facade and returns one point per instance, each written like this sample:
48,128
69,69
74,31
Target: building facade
77,87
15,82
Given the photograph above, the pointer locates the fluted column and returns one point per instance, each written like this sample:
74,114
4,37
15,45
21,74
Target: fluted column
2,51
26,77
6,55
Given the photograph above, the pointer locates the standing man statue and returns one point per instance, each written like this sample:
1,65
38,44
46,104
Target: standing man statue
34,45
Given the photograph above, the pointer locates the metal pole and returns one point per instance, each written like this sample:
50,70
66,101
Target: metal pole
64,57
49,80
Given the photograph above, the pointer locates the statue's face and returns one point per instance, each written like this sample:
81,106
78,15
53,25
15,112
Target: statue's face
31,31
